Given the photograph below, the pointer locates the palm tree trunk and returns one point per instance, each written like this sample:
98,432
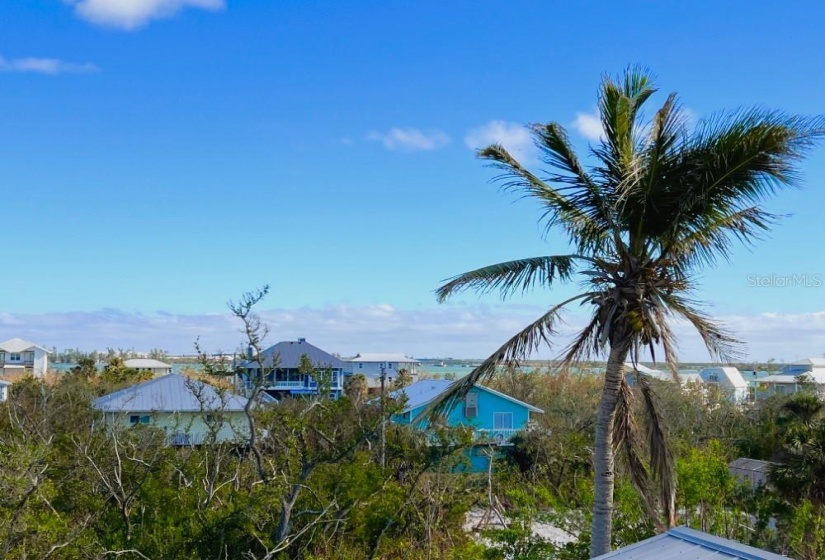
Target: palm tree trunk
603,462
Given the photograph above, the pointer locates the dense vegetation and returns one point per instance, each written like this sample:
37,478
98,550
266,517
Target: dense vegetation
73,488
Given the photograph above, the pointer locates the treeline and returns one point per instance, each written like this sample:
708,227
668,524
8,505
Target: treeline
75,355
311,486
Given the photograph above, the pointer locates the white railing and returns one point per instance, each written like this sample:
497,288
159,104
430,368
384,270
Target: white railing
501,436
288,384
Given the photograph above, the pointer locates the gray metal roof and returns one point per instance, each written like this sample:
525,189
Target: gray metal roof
170,393
427,390
682,543
289,355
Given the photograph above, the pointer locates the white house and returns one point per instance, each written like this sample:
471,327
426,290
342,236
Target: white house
189,411
155,367
18,356
371,365
728,380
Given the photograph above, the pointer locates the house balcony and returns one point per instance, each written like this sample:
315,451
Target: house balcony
300,385
499,436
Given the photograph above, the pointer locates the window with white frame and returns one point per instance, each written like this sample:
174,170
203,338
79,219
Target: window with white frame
503,420
471,405
15,357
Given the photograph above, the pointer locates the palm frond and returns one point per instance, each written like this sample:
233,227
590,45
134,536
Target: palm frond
582,190
731,162
619,104
710,237
721,345
517,348
512,276
662,464
559,209
627,442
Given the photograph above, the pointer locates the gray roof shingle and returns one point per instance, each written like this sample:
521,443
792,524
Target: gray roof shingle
289,354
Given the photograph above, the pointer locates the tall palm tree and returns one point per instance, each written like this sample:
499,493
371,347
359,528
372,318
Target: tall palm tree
658,204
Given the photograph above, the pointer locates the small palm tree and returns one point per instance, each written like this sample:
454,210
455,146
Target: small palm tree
659,203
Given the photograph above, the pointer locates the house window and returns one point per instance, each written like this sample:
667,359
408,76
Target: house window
2,357
360,366
471,405
779,389
389,365
503,420
29,356
713,378
136,419
15,357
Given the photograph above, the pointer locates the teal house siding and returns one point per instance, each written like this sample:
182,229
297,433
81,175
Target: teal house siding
494,416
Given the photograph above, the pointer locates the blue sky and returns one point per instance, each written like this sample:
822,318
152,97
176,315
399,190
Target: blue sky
163,156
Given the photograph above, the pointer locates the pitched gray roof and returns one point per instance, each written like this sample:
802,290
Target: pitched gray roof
289,355
682,543
170,393
427,390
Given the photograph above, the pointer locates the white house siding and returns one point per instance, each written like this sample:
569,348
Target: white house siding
33,361
729,380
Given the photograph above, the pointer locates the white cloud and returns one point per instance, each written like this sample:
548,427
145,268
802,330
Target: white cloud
50,66
410,139
460,331
131,14
589,125
515,138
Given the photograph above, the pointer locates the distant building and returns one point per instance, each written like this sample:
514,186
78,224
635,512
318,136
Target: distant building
751,472
282,375
633,370
189,411
682,543
807,374
155,367
728,380
494,416
371,365
20,357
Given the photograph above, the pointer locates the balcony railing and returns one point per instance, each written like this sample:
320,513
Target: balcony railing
277,384
502,436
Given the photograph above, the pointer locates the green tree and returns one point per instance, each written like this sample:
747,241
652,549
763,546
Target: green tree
659,203
117,373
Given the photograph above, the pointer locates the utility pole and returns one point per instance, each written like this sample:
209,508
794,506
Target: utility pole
383,419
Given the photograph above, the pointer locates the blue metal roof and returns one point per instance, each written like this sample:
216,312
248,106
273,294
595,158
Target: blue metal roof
289,355
427,390
682,543
170,393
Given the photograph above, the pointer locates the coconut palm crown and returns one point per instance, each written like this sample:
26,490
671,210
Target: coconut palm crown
659,203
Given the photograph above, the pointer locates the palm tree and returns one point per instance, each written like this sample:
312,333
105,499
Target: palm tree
658,204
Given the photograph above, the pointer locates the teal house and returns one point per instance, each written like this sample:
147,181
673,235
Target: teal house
494,416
